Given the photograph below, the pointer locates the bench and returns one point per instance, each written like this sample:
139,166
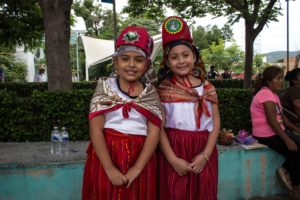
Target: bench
244,174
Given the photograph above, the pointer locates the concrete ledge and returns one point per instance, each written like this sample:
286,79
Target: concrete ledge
248,173
29,171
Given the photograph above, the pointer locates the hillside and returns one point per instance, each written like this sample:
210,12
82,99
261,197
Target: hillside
275,56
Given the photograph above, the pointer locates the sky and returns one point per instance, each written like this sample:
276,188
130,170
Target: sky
272,38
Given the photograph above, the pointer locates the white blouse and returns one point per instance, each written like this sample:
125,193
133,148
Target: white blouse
182,115
136,124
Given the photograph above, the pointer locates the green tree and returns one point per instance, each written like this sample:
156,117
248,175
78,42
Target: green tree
21,23
153,10
256,13
14,70
152,27
199,37
223,57
258,62
99,21
204,37
56,16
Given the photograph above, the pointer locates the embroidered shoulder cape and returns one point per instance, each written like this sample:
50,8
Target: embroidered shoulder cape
172,92
106,99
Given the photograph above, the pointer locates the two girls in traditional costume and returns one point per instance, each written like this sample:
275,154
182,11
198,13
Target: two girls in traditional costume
188,168
125,119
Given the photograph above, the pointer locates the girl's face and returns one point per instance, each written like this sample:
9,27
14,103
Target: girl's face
181,60
131,66
277,82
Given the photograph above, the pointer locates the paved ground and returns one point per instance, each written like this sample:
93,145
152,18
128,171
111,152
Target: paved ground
39,152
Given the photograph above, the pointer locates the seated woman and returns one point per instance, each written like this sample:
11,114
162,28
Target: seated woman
291,97
267,127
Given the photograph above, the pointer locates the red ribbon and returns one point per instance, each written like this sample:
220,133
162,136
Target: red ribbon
126,109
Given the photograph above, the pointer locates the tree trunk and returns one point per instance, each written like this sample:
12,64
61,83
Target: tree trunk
56,16
249,41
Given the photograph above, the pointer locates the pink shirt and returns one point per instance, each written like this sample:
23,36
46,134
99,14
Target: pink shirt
260,126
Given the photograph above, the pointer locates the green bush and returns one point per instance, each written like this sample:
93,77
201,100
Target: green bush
27,89
234,107
31,118
228,83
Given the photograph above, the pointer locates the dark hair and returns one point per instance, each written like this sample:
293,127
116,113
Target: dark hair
199,66
266,76
292,75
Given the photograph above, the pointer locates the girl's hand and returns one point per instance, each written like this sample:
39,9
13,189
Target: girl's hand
291,145
181,166
116,177
198,163
131,175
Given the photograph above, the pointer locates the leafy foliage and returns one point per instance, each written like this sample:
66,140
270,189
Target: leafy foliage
205,36
28,111
27,89
153,10
14,70
255,13
227,83
99,21
258,62
32,118
223,57
17,18
152,27
234,107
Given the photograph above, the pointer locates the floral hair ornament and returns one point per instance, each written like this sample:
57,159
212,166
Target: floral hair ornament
175,31
175,28
137,39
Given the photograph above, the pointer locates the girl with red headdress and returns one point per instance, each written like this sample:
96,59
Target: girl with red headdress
189,164
125,120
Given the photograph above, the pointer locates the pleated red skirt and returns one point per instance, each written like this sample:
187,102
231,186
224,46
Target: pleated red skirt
124,151
202,186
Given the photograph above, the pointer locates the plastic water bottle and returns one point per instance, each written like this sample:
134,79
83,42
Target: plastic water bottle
54,140
58,148
65,141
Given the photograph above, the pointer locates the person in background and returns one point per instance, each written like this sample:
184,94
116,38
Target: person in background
268,126
125,119
41,76
189,160
212,73
226,74
290,99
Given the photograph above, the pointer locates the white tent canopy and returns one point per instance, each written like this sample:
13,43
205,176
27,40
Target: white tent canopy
79,25
98,50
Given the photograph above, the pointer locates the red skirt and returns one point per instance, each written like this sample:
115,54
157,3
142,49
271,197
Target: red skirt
202,186
124,151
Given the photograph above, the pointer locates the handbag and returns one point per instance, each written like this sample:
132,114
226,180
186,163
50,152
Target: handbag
293,135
